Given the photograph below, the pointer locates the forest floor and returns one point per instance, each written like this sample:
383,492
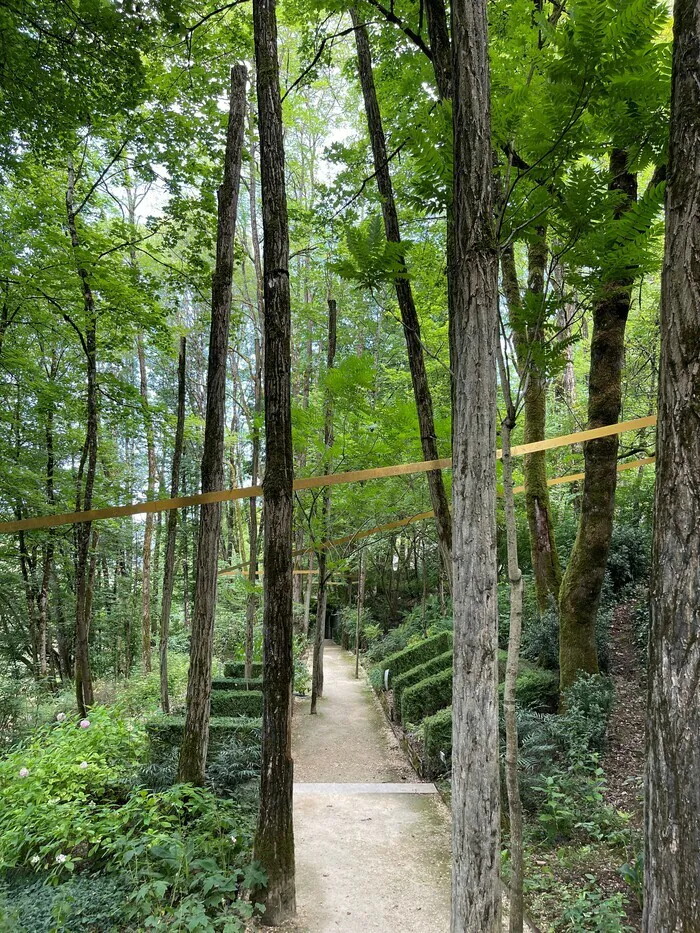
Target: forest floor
372,841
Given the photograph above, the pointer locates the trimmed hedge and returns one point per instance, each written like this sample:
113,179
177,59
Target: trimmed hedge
427,697
417,654
436,665
236,669
237,683
164,732
236,703
437,737
536,688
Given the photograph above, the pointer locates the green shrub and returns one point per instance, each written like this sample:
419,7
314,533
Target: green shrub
236,669
59,788
236,703
427,697
535,688
233,683
417,654
437,739
164,732
85,902
436,665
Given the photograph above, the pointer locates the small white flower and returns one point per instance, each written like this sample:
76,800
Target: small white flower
60,717
83,764
84,723
61,858
24,772
233,839
35,859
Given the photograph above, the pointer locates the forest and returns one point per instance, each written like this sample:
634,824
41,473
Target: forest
349,456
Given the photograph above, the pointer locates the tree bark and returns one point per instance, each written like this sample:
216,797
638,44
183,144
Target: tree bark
582,583
307,595
274,838
322,599
672,813
527,339
83,678
360,609
193,753
171,533
148,525
404,296
515,580
475,788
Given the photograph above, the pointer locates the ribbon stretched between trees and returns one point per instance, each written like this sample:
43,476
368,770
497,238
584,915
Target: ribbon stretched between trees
310,482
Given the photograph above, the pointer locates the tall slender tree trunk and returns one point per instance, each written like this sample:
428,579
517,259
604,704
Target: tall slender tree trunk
274,838
259,330
307,595
86,481
49,546
360,610
515,580
171,533
148,524
193,753
404,296
322,600
672,812
475,787
582,583
543,548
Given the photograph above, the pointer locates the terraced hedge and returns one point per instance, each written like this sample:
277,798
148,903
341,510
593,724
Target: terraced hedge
411,657
237,683
427,697
536,688
165,732
436,665
437,737
236,669
236,703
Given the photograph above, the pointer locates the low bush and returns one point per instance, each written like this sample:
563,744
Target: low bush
165,732
233,683
535,688
436,665
417,654
437,742
427,697
236,669
232,703
82,904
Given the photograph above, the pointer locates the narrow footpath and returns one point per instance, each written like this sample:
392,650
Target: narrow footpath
372,843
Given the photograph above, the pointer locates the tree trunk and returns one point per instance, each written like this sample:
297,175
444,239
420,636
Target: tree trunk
515,580
582,583
148,525
322,601
171,533
543,548
672,863
193,753
83,678
360,609
49,546
307,595
274,838
476,898
404,296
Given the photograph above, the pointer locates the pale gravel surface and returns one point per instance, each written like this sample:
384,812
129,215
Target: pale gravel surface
366,862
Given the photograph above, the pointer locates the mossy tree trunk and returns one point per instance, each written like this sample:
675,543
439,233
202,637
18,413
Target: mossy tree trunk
274,838
193,752
476,818
582,583
672,862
